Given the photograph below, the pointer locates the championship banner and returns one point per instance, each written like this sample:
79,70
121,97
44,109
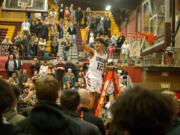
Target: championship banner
3,60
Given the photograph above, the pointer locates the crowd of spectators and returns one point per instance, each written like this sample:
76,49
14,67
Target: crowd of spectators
69,75
42,35
136,111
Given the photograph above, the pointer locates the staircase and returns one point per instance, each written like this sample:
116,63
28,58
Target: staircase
3,33
79,39
114,27
116,15
73,51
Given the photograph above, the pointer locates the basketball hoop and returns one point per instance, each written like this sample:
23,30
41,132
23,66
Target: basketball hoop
150,38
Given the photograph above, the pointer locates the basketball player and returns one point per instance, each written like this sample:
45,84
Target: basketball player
97,62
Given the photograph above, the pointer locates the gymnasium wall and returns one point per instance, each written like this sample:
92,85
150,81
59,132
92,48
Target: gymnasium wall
178,18
131,27
160,78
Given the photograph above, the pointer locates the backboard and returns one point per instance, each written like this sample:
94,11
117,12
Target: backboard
155,20
26,5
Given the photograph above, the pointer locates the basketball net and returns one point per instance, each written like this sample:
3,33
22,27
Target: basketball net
150,38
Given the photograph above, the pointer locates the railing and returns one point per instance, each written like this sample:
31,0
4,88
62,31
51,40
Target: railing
162,59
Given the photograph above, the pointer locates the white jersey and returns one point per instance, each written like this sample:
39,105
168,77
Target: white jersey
94,74
97,63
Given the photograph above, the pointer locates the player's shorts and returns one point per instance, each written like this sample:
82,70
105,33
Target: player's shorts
93,82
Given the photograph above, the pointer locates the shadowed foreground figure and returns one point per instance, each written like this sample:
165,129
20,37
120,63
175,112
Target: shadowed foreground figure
70,101
7,99
142,112
47,118
86,104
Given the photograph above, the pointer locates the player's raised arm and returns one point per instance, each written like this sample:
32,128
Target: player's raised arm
87,48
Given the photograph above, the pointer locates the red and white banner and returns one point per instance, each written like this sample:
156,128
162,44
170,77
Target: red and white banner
3,60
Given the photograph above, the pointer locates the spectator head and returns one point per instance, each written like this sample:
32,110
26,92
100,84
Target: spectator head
7,38
72,5
69,60
7,96
41,39
17,56
13,75
71,25
142,112
79,8
58,58
69,70
11,57
45,63
24,71
35,59
70,100
86,99
47,89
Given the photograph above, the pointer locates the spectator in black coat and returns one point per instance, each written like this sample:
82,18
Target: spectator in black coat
47,118
107,25
32,27
44,31
120,41
79,16
38,28
71,29
59,70
61,12
7,98
25,43
60,29
18,64
86,114
35,66
70,101
72,34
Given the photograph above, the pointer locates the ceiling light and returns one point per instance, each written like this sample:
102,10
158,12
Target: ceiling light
108,7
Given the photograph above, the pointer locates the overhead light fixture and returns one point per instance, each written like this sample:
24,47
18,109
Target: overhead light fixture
108,7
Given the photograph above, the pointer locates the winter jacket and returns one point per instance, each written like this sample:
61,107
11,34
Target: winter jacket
48,119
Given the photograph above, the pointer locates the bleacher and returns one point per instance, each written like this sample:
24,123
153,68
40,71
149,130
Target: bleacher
9,28
3,32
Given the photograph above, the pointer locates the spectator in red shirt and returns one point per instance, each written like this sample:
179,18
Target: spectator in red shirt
111,50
